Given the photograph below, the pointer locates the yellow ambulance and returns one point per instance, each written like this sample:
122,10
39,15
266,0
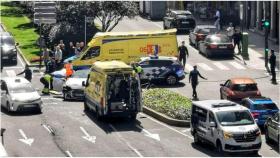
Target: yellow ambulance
112,89
127,46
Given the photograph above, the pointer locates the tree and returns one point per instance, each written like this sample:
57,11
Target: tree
109,13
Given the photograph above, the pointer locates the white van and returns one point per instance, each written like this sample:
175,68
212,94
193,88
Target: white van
226,125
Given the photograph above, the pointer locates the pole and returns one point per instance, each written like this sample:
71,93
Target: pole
266,47
85,30
40,41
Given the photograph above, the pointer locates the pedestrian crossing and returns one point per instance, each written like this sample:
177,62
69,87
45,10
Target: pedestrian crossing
212,66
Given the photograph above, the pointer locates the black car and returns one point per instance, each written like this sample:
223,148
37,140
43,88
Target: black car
179,19
8,47
200,32
272,128
167,69
216,44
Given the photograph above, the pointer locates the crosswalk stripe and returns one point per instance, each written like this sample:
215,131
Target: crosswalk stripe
205,66
11,73
189,67
236,65
220,66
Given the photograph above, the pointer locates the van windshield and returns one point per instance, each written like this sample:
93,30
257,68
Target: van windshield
235,118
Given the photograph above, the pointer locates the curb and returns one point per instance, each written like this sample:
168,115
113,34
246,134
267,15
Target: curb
163,118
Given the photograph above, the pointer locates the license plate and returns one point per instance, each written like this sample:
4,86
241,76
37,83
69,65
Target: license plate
223,47
5,57
185,22
29,105
246,145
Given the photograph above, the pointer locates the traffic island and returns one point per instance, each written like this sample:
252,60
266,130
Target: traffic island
167,106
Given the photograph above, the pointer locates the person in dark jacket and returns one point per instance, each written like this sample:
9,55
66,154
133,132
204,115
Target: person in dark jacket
272,62
237,37
183,53
27,72
193,79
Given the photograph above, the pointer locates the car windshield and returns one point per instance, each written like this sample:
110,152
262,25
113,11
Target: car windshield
245,87
7,41
81,73
267,106
23,88
220,39
234,118
207,30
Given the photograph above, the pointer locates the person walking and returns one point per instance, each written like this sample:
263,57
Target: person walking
230,31
58,56
217,19
183,54
27,72
272,62
46,57
236,40
193,79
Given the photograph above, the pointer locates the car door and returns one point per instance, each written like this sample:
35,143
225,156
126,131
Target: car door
224,89
273,127
211,133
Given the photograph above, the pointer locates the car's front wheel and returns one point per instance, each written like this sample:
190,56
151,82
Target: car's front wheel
171,80
220,148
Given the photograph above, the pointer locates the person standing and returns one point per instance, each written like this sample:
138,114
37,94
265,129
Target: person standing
51,66
71,49
62,48
46,57
236,40
217,20
58,56
183,53
82,45
272,62
47,80
77,49
230,31
27,72
69,69
193,79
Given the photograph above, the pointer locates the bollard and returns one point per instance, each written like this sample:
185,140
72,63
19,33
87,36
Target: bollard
245,43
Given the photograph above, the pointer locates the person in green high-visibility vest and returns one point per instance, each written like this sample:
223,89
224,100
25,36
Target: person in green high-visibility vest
47,80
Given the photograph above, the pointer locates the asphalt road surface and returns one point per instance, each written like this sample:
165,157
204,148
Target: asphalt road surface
64,129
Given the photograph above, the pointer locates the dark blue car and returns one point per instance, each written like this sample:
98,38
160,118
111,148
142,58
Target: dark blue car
260,108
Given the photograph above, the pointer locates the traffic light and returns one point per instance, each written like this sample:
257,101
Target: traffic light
265,23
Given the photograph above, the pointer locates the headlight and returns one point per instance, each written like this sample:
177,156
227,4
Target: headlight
6,48
15,50
227,135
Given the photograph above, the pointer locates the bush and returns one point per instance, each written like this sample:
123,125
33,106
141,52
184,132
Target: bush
167,102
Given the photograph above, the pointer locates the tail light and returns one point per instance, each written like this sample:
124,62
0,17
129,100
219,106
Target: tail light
255,114
230,46
199,37
212,46
258,93
102,103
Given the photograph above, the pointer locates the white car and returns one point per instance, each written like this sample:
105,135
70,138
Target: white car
17,94
73,88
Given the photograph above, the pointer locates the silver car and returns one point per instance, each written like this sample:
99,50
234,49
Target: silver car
17,94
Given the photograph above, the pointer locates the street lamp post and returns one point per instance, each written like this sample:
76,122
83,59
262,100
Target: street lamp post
85,30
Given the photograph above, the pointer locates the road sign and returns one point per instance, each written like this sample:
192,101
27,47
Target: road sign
45,21
45,10
44,15
44,4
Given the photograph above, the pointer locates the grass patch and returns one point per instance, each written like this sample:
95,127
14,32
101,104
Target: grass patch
167,102
21,28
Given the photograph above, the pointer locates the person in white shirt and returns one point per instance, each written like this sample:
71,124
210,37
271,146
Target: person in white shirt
217,20
58,56
230,31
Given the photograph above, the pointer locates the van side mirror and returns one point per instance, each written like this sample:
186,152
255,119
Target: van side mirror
212,124
84,83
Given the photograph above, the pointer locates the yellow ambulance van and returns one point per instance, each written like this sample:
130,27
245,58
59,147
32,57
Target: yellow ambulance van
127,46
112,89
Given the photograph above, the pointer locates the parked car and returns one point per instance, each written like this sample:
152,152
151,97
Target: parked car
179,19
236,89
161,68
226,125
18,94
216,44
8,47
73,88
272,129
261,108
200,32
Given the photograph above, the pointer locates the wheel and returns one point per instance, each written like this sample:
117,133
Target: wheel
196,139
133,116
64,96
164,27
190,42
39,110
171,80
267,139
221,95
97,112
207,55
220,149
196,45
86,108
255,153
8,107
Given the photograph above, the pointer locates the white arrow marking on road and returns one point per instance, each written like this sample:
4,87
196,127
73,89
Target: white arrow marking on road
25,140
148,134
87,136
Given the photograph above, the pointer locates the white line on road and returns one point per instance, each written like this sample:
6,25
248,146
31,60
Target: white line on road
87,136
47,128
149,134
220,66
11,73
127,143
236,65
205,66
68,153
158,25
25,140
21,61
173,129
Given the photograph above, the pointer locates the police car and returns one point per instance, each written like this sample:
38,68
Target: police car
162,68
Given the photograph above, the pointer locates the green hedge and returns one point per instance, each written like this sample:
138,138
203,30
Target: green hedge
167,102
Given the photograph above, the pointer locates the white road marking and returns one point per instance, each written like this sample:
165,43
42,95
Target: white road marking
173,129
220,66
21,61
236,65
68,153
186,130
158,25
127,143
3,152
25,140
205,66
188,67
149,134
11,73
87,136
47,128
50,103
15,67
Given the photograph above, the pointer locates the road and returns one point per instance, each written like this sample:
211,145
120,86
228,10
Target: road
64,129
